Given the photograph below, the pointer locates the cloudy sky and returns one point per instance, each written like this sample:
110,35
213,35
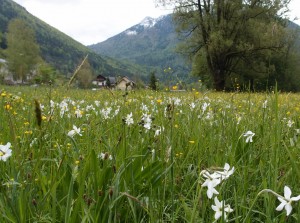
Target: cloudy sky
93,21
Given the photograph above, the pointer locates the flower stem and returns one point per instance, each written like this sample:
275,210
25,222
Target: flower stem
261,192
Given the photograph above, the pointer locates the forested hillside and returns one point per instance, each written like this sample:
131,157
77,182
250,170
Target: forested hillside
151,43
58,49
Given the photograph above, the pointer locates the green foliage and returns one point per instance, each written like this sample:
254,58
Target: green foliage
85,75
22,51
45,74
232,38
153,81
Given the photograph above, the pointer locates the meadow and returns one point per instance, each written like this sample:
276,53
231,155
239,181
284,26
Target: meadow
144,156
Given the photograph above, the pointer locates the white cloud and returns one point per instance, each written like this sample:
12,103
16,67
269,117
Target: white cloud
295,11
92,21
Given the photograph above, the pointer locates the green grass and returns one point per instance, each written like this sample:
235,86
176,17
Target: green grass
143,177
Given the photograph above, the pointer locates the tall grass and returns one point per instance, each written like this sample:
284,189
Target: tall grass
117,172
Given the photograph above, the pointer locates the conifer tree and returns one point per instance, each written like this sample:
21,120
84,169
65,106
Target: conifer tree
153,81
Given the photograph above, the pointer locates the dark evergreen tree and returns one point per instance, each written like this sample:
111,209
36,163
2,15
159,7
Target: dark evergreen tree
153,81
108,84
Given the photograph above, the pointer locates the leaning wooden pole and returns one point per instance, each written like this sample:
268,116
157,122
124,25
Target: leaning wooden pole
76,71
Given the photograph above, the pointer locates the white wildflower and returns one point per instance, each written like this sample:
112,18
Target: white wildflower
5,151
249,135
286,201
220,209
290,123
129,119
226,173
74,131
192,106
212,180
205,106
264,105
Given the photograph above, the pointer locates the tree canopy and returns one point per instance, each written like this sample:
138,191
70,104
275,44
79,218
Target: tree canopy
232,39
22,50
85,75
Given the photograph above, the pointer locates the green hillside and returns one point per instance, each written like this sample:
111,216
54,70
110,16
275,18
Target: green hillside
58,49
151,43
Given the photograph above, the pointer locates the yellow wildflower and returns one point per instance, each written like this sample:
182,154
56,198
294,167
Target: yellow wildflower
159,101
8,107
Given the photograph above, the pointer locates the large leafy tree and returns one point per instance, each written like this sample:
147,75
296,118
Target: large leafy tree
22,50
85,75
230,37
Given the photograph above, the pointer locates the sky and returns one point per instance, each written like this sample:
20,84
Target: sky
93,21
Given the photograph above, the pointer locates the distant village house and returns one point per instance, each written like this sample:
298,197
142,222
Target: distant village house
125,84
111,82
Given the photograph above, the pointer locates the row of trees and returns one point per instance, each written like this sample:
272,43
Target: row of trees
237,41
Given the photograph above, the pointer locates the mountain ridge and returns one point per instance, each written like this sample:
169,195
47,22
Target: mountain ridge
58,49
151,43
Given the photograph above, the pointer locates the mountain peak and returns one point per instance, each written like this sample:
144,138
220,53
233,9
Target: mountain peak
148,22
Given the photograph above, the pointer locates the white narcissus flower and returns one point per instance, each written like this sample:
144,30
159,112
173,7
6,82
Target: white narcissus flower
286,201
264,105
205,106
211,182
215,178
221,208
290,123
157,131
226,173
74,131
249,135
192,106
104,156
5,151
78,113
129,119
147,125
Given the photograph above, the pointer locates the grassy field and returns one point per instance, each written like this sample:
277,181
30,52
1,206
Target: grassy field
101,156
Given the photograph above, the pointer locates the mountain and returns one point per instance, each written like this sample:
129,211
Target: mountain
58,49
151,44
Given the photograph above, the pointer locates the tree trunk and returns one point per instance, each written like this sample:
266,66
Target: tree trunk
219,80
251,83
